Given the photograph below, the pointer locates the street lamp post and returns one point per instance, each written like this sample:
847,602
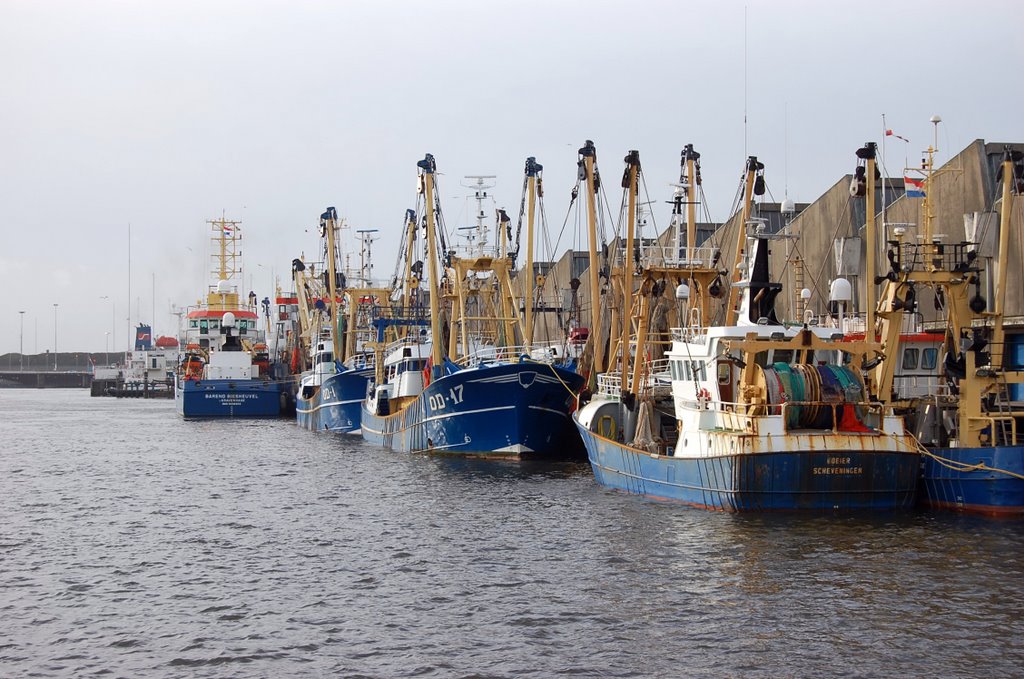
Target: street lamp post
106,349
113,321
21,340
55,336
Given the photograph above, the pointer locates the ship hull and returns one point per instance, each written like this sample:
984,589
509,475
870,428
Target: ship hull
975,491
822,479
509,411
337,405
228,398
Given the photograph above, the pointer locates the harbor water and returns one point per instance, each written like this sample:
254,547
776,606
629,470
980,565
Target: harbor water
137,544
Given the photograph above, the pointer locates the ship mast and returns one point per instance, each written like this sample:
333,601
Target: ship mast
863,186
227,234
480,187
998,332
366,239
533,170
690,158
589,158
753,168
630,183
328,224
412,278
427,168
868,153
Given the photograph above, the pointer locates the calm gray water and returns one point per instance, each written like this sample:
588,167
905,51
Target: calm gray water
137,544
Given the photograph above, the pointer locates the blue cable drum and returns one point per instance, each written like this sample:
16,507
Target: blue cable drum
789,382
831,392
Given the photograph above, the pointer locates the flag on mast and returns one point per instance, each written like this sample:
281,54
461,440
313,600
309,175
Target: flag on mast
890,133
914,187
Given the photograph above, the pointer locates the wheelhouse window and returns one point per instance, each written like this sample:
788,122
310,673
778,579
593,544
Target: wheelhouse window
696,370
910,355
929,358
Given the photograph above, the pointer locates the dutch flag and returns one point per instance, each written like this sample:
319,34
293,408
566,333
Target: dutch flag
914,187
228,231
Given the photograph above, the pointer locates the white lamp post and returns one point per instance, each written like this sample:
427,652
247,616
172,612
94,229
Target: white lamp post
21,340
55,336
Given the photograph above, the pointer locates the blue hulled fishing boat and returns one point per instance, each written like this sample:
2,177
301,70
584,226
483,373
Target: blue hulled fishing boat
336,316
749,415
331,393
971,424
498,406
464,386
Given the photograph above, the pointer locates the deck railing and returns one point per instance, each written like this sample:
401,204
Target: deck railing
506,354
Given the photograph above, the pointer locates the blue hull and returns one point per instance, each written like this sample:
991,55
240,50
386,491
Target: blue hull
758,482
511,411
980,491
337,405
229,398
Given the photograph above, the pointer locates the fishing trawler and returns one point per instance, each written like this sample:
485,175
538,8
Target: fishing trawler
750,415
970,423
448,389
225,369
331,392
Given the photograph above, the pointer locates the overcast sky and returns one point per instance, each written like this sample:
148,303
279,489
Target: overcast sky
162,115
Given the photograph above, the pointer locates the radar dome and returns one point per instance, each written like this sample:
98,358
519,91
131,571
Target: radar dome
788,207
223,287
228,321
840,291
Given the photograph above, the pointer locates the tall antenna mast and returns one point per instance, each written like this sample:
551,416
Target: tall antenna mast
130,332
744,82
785,150
366,239
885,133
480,187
